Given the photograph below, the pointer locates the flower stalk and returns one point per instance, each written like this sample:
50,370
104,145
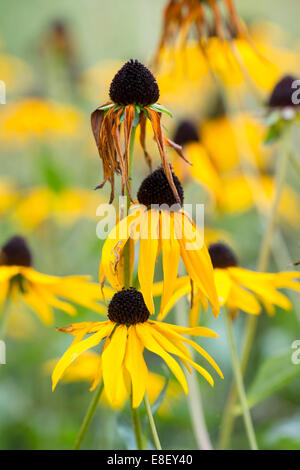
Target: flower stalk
240,384
88,417
152,423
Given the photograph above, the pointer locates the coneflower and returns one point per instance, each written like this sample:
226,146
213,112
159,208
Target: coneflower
134,94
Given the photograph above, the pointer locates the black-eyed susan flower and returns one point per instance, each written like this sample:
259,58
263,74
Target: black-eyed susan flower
239,288
127,332
160,224
89,365
42,292
182,16
134,94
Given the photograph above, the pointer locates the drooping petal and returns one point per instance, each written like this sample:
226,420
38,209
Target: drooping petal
136,366
150,343
147,257
170,257
112,364
112,251
76,349
161,336
177,337
196,259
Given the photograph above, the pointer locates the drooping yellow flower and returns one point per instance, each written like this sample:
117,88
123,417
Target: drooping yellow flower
42,292
89,364
128,331
239,288
181,16
35,118
66,206
159,224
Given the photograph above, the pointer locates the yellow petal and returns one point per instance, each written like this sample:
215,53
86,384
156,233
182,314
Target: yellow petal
147,257
136,366
112,364
150,343
76,349
170,258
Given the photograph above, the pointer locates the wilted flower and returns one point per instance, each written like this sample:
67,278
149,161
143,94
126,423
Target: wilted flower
134,94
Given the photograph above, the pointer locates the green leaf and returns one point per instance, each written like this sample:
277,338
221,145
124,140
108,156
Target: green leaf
274,374
106,107
273,134
161,109
272,118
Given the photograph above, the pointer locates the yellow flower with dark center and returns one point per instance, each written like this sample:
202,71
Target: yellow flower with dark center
42,292
134,94
35,118
128,331
159,224
89,364
239,288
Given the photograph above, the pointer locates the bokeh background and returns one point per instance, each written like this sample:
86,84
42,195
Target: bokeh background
48,168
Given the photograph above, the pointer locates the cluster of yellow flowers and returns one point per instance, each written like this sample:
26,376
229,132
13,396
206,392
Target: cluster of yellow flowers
223,155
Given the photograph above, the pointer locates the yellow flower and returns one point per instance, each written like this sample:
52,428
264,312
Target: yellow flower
166,228
240,193
34,118
88,365
238,288
42,292
66,206
202,168
240,136
128,331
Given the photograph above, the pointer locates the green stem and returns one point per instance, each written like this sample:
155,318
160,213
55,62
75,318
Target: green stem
137,428
88,417
152,423
194,397
240,384
228,418
127,276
